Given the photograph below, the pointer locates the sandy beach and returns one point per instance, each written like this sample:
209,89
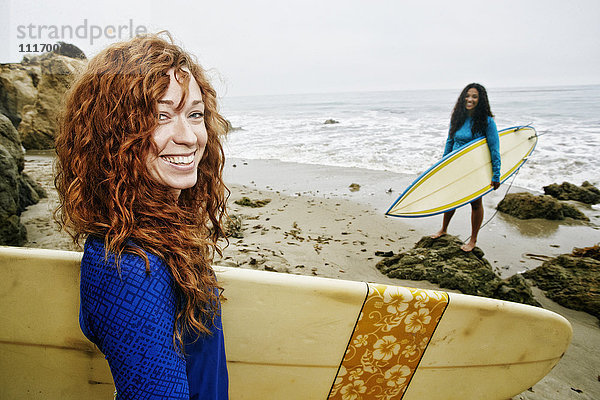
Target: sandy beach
315,225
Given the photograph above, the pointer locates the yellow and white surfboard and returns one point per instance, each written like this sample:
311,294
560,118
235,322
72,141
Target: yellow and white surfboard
464,175
290,337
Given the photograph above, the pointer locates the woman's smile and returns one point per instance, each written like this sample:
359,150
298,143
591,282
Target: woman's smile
180,136
179,160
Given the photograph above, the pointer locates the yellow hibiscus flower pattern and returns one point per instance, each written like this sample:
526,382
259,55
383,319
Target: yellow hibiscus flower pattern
390,338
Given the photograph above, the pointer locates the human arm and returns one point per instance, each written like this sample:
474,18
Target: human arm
449,145
493,142
130,317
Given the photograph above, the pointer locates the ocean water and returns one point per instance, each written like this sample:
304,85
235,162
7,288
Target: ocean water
405,131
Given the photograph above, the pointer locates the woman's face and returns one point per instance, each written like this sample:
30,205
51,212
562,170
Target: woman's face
180,137
472,99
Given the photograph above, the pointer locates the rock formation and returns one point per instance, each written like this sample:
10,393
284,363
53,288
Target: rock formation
31,93
17,190
39,120
70,50
586,193
442,261
527,206
231,128
18,88
572,280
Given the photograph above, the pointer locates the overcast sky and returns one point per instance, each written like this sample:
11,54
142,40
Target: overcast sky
288,46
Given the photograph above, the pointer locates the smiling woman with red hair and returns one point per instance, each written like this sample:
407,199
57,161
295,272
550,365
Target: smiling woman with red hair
139,175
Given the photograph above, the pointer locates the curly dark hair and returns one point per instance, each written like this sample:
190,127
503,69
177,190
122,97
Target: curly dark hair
105,188
480,114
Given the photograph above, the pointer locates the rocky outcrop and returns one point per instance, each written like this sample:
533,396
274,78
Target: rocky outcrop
70,50
442,261
39,120
17,190
527,206
586,193
31,93
572,280
18,88
231,128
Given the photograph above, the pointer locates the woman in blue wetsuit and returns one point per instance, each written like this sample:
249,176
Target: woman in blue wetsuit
471,119
139,175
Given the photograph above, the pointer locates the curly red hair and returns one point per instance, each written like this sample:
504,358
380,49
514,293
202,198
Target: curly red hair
105,189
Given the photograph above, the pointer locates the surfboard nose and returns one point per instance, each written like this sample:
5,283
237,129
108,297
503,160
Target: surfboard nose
489,349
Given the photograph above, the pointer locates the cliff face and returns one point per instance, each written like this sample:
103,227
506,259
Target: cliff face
17,190
18,88
31,95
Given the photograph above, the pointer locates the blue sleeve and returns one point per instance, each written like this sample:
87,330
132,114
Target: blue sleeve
493,142
449,145
130,317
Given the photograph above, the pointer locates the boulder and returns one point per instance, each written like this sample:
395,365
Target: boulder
572,280
586,193
12,232
231,128
39,120
19,81
70,50
9,139
30,192
527,206
18,88
442,261
17,190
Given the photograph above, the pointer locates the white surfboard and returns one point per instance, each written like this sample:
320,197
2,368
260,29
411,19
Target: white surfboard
290,337
464,175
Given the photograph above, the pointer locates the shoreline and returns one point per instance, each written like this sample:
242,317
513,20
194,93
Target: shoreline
524,238
314,225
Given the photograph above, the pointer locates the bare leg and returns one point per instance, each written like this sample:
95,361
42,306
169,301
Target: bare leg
476,220
447,217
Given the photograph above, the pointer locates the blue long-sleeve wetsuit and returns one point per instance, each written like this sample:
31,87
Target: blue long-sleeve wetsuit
464,135
130,317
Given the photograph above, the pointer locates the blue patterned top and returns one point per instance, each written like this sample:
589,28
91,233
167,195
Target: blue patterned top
464,135
130,317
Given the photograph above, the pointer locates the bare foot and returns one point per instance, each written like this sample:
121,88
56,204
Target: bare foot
467,247
437,235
